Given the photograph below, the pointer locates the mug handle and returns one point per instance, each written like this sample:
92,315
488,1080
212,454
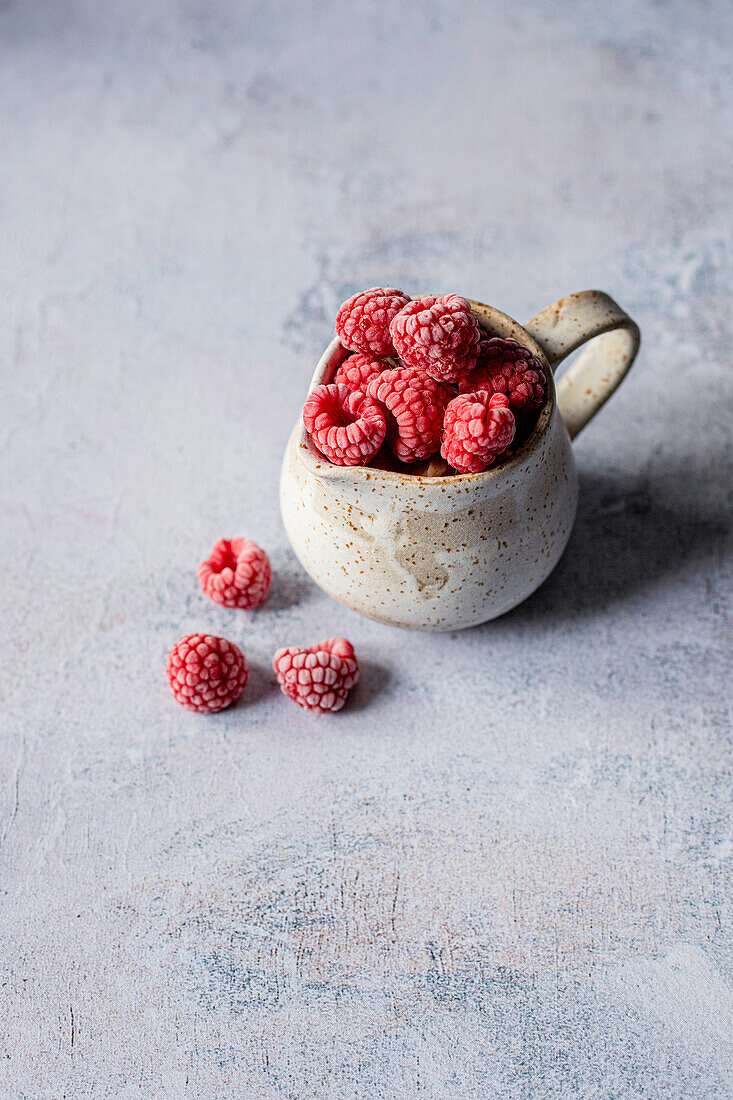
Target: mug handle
614,341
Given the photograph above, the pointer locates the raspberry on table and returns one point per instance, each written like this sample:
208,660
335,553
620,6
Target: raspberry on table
206,673
237,573
346,426
478,428
318,678
440,335
505,366
414,405
362,322
356,371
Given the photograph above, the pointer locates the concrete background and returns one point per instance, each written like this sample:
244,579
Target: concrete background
504,870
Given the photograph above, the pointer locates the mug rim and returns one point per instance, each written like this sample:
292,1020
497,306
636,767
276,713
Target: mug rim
495,323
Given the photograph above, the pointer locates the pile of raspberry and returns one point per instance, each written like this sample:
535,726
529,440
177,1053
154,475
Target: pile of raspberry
422,379
207,673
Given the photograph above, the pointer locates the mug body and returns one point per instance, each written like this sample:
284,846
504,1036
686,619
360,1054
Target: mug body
433,553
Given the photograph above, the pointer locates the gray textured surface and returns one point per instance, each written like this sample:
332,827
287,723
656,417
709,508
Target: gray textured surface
504,870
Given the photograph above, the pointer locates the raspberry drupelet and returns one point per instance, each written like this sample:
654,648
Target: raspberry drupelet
346,426
478,428
237,573
362,322
206,673
414,405
319,678
358,370
508,367
439,335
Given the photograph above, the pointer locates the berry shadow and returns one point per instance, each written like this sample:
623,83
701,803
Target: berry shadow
630,534
260,684
374,680
290,586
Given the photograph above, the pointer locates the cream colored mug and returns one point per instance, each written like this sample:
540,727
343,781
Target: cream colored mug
442,553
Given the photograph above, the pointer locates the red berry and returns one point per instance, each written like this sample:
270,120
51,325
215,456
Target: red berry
206,673
318,678
440,335
478,427
508,367
362,322
346,426
356,371
414,405
237,573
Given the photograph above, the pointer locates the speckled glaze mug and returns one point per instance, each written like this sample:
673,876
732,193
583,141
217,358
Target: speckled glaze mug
442,553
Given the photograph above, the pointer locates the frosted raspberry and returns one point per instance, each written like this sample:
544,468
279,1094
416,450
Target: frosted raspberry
318,678
358,370
414,405
362,322
346,426
206,673
508,367
441,335
237,573
478,427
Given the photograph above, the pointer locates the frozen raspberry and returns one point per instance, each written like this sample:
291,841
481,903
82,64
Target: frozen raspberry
358,370
318,678
415,405
237,573
441,335
206,673
362,323
478,427
346,426
508,367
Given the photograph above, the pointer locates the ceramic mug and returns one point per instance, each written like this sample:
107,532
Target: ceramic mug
442,553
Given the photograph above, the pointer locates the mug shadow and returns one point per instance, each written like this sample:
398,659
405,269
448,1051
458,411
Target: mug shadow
630,534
